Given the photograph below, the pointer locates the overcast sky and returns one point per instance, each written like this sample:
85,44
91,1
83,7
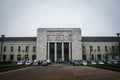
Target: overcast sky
95,17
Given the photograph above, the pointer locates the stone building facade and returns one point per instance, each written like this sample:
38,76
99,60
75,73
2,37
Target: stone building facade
59,43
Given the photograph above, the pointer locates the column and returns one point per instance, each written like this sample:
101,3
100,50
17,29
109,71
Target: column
69,52
62,51
55,52
48,57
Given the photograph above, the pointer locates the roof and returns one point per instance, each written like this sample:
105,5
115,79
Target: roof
19,39
84,39
99,39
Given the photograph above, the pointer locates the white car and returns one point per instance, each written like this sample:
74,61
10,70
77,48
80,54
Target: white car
20,62
28,62
101,62
84,63
48,61
93,62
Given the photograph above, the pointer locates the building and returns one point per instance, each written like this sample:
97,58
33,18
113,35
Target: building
59,43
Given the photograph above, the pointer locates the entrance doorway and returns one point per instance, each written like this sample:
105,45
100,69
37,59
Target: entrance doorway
52,51
66,51
59,50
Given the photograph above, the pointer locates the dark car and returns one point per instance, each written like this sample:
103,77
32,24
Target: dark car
60,60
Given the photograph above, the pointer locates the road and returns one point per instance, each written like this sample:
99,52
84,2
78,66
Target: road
60,73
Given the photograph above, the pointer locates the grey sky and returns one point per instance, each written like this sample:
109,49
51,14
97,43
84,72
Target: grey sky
94,17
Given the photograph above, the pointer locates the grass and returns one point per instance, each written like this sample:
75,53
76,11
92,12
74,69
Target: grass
9,66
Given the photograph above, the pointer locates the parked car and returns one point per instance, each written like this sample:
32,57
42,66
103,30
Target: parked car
36,63
28,62
20,62
84,62
44,63
76,63
114,61
93,62
48,61
108,62
60,60
100,62
72,61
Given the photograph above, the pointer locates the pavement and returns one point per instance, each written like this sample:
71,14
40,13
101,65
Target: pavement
60,72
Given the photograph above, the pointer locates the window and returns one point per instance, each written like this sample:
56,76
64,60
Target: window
26,57
34,49
19,48
113,49
84,57
11,57
4,57
98,48
11,48
83,48
4,48
91,48
99,57
27,48
106,48
18,57
33,57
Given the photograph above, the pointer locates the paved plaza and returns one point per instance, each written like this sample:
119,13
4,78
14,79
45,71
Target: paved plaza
60,73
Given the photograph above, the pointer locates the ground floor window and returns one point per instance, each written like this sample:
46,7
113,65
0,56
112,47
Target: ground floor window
26,57
92,57
4,57
99,57
11,57
18,57
84,57
33,57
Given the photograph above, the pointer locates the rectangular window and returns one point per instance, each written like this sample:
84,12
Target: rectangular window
18,57
34,49
4,57
11,57
27,48
113,49
98,48
91,48
19,48
83,48
4,48
33,57
11,48
106,48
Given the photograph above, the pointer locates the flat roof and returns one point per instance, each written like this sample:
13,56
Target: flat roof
84,39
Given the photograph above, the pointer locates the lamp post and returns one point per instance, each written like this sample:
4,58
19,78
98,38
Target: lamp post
2,40
118,35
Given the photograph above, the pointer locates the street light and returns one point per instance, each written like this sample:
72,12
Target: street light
118,35
2,39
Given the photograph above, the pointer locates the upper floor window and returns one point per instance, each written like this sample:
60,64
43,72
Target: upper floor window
27,48
34,49
4,48
19,48
106,48
91,48
113,49
83,48
11,48
98,48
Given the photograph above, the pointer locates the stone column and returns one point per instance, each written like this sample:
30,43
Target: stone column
69,52
62,51
55,52
48,55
